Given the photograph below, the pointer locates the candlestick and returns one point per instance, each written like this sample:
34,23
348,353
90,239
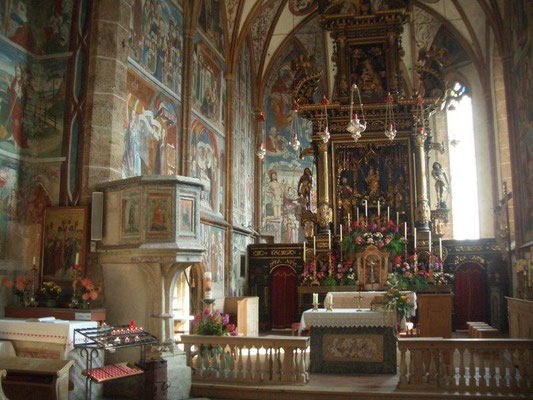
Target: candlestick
341,232
366,208
357,210
349,219
414,237
440,248
304,251
397,218
429,240
77,259
388,213
379,209
405,230
329,240
314,246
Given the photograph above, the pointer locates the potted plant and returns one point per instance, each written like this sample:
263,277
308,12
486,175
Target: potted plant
86,291
49,292
20,287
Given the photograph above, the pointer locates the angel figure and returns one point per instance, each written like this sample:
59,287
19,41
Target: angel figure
441,183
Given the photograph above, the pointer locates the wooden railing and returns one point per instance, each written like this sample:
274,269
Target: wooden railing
247,359
466,365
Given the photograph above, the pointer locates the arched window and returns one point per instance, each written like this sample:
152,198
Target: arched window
463,172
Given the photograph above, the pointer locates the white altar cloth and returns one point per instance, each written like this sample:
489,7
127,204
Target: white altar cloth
347,318
349,299
57,332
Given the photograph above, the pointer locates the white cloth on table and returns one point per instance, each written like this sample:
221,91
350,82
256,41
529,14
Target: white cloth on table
346,318
350,299
58,331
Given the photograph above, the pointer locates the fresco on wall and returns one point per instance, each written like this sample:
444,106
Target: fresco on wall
210,22
151,122
281,202
522,50
208,83
156,40
208,164
37,26
239,273
32,96
214,241
302,7
25,191
243,143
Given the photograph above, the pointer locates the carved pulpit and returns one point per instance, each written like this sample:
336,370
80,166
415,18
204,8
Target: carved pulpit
372,267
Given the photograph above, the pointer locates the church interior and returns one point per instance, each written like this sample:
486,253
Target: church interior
266,199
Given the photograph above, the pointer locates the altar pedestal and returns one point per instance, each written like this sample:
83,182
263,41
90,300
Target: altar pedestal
346,340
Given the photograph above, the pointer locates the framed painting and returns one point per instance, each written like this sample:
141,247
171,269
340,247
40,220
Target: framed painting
64,238
130,216
186,222
159,215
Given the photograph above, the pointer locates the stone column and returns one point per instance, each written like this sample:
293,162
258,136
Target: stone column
324,209
188,49
422,211
230,132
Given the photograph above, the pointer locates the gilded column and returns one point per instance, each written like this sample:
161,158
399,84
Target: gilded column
341,62
324,209
422,211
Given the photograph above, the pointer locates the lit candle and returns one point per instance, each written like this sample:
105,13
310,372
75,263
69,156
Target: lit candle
440,248
207,285
429,240
341,232
314,245
405,230
329,240
77,259
366,208
397,218
357,210
379,209
315,298
304,250
414,237
388,213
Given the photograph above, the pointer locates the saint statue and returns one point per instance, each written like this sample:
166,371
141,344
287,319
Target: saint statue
305,185
441,184
345,198
372,180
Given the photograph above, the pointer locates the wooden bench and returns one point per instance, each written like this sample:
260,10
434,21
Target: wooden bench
473,325
35,378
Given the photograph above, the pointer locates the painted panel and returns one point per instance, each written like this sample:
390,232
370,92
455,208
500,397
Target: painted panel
283,169
208,164
210,22
208,83
37,26
32,95
214,241
156,41
239,273
243,144
151,123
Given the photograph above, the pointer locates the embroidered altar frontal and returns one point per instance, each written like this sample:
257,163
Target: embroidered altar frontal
359,350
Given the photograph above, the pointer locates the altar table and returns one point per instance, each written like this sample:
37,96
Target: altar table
350,340
350,299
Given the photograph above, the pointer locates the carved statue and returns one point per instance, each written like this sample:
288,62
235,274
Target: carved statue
441,184
346,193
372,180
325,215
305,185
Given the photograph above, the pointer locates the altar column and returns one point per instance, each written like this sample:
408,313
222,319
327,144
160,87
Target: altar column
422,211
324,209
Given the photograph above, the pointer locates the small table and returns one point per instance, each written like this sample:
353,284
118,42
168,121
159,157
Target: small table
350,340
97,315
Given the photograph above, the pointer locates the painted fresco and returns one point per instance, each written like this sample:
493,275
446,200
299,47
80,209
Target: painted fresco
302,7
237,279
522,50
32,95
210,22
281,203
208,83
156,40
151,121
214,241
208,164
37,26
243,144
25,191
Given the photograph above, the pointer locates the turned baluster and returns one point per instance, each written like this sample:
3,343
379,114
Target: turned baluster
483,383
513,382
249,368
232,358
472,370
267,365
403,368
492,370
257,370
441,369
431,367
276,366
222,373
302,368
288,364
503,383
462,369
523,371
451,382
418,371
240,375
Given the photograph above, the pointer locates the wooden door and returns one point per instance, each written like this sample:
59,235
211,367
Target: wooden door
283,296
470,294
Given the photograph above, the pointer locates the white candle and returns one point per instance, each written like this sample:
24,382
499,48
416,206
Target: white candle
379,209
414,237
440,248
315,298
329,240
34,260
429,240
388,213
397,218
340,229
357,209
77,259
366,208
405,230
314,245
304,251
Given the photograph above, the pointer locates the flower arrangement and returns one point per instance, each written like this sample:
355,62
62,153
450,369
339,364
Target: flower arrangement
344,273
20,287
50,290
439,277
395,300
214,324
85,290
385,237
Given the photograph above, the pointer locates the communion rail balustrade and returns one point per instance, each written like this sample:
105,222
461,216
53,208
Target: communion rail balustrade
239,359
466,365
